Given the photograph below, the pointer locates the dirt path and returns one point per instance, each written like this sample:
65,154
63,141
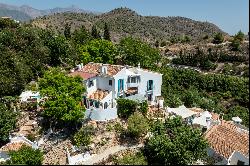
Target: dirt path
105,154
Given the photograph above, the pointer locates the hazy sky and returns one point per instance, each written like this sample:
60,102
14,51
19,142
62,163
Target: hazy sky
230,15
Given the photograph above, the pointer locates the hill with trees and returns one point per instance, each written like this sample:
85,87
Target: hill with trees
125,22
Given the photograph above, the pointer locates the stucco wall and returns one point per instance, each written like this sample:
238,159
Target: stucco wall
92,88
157,82
238,156
103,83
101,114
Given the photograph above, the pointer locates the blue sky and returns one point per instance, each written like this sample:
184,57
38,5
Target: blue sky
230,15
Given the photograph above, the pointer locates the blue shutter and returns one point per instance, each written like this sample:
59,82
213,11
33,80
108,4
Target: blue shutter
147,85
122,84
118,87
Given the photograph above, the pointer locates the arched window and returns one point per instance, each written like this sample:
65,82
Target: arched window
105,105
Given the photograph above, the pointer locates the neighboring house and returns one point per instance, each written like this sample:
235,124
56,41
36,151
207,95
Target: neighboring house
30,96
105,83
15,144
195,116
229,144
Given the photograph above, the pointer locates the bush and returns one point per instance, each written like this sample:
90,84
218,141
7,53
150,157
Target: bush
26,156
125,107
137,125
83,136
235,45
143,107
218,38
132,159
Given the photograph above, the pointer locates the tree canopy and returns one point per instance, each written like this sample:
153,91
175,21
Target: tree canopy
133,51
98,50
8,120
176,144
64,95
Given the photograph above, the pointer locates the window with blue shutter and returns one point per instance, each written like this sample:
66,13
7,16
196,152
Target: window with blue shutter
150,85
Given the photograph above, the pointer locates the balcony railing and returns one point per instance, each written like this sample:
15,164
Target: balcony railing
132,85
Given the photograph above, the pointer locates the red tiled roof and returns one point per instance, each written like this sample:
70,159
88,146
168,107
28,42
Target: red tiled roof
13,146
94,68
226,138
83,75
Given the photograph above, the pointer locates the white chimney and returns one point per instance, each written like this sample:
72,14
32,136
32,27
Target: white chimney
139,65
104,69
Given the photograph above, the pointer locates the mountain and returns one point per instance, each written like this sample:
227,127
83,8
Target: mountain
26,12
17,15
124,22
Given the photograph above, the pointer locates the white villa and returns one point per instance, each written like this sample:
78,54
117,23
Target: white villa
105,83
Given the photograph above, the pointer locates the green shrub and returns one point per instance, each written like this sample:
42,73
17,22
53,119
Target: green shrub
218,38
125,107
84,136
26,156
137,125
132,159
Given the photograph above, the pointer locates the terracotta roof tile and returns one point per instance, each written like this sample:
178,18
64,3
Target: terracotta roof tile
95,68
98,94
227,138
13,146
83,75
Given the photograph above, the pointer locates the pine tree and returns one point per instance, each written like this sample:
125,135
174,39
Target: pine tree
106,34
95,33
67,33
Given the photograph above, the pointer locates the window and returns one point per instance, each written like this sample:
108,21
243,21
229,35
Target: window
110,82
150,85
91,83
120,85
133,79
105,105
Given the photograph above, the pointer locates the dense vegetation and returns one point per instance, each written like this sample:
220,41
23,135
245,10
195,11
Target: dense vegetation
126,107
26,156
174,143
214,92
8,120
64,95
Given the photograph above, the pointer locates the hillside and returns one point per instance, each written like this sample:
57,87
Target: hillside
124,22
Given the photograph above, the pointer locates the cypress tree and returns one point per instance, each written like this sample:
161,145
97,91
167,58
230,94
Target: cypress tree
106,34
95,33
67,33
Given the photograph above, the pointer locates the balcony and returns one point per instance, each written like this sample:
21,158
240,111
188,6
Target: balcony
131,85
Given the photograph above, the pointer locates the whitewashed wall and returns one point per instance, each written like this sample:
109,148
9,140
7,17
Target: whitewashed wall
120,75
92,88
238,156
157,82
108,99
101,114
103,83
